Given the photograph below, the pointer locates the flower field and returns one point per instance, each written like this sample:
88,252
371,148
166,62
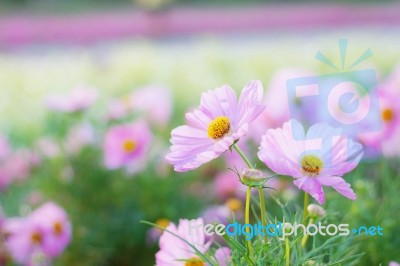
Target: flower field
111,153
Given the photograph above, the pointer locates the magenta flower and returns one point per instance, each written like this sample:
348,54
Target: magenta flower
174,251
278,102
127,146
223,256
54,222
154,102
78,137
387,138
77,99
315,159
227,185
43,234
24,240
212,128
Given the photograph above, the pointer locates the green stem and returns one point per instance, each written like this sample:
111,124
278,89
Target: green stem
263,212
247,219
305,237
306,200
287,251
236,147
260,191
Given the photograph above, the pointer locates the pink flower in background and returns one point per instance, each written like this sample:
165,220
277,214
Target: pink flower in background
77,99
317,158
223,256
277,100
127,146
78,137
54,222
155,102
48,147
227,185
42,235
20,164
23,239
223,213
117,109
17,166
4,147
212,128
387,139
173,250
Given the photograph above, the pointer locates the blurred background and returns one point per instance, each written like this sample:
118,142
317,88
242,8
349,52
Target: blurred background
72,71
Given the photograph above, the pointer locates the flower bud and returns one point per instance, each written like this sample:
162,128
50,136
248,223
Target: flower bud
316,211
252,178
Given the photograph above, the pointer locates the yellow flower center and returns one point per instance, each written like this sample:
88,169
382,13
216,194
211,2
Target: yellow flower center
57,228
36,238
233,204
162,222
218,127
129,146
311,165
194,262
387,115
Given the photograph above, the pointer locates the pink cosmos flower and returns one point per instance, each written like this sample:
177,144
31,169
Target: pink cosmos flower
223,256
278,101
78,137
174,250
212,128
17,166
227,185
41,236
317,158
48,147
23,240
387,139
127,145
54,222
77,99
155,102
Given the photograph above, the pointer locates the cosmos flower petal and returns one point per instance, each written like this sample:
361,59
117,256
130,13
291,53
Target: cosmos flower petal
339,184
219,102
311,186
279,151
223,256
173,248
250,103
198,143
343,157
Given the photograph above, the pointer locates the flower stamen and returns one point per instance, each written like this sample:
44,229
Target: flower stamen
129,146
387,115
311,165
219,127
36,238
57,228
194,262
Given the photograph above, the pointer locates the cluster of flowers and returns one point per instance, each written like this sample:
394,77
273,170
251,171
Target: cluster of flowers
222,119
44,233
37,238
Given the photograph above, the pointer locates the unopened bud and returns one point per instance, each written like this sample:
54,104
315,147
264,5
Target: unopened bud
253,178
316,211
